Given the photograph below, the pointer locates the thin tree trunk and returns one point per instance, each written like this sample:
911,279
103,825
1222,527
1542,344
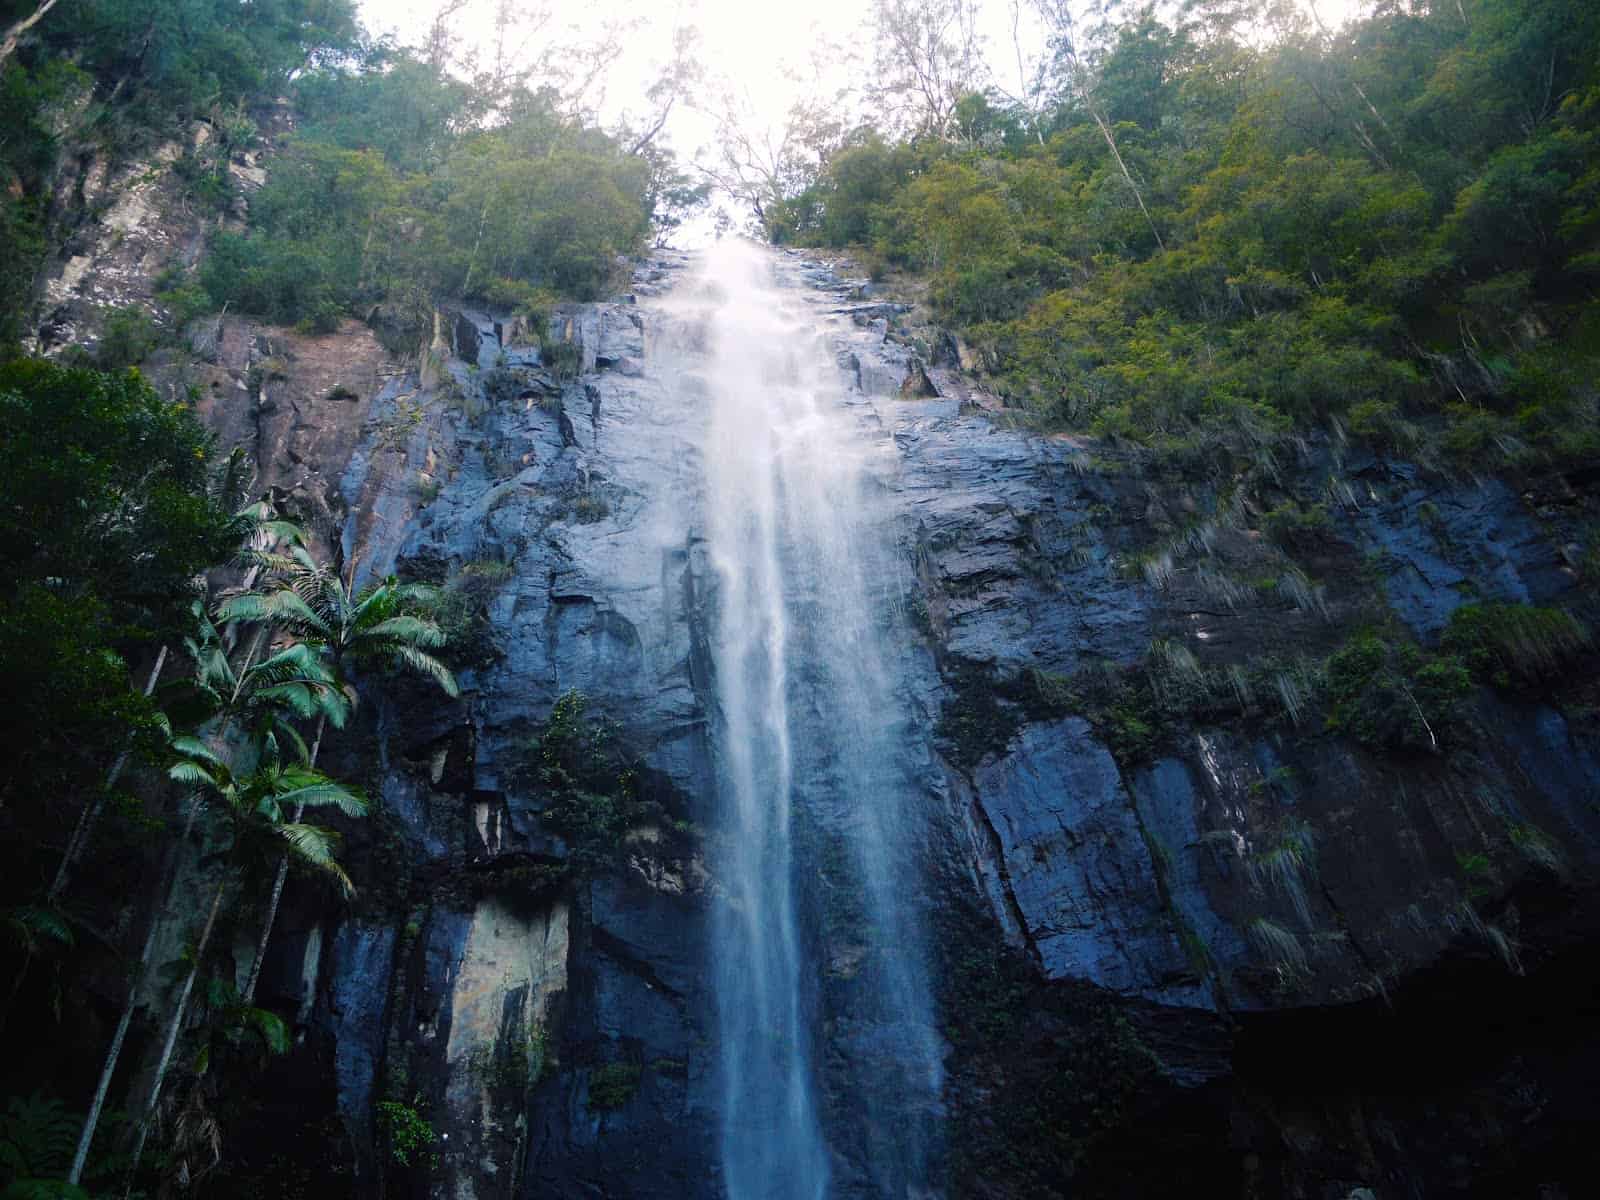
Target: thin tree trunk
1105,132
112,1054
277,886
91,811
14,35
472,261
173,1029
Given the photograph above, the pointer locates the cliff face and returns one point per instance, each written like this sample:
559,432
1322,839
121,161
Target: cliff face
1183,929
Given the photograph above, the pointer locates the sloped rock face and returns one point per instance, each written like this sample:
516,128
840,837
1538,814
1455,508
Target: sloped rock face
1215,951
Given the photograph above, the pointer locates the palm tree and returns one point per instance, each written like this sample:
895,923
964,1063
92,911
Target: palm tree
258,531
252,801
264,698
380,624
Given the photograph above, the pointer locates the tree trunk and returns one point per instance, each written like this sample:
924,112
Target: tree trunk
1105,132
14,35
174,1027
472,261
91,811
112,1054
277,886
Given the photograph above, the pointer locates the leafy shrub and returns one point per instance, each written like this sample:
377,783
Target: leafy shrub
589,790
1395,697
128,338
1508,644
1285,864
613,1085
406,1132
1279,946
1289,524
565,359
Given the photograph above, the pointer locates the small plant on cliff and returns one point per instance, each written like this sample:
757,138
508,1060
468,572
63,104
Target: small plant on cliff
564,359
587,509
1395,697
1279,946
1508,644
1291,525
406,1132
613,1085
1284,866
396,429
129,337
589,789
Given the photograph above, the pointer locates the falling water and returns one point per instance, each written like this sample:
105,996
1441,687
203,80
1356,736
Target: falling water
817,841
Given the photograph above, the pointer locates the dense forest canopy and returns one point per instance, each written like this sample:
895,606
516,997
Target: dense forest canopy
1211,225
406,173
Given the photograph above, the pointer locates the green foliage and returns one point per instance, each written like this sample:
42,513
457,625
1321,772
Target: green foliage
611,1086
404,193
589,508
1285,864
460,609
1394,696
511,1064
231,1026
564,359
1291,525
127,339
33,97
384,625
1279,946
126,72
107,514
1392,229
589,791
37,1139
1515,644
260,797
407,1133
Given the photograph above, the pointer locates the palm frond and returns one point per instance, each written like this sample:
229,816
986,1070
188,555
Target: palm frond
280,530
323,792
28,923
375,603
300,661
316,848
282,607
302,752
192,747
423,594
193,774
427,664
269,1027
268,562
407,630
299,698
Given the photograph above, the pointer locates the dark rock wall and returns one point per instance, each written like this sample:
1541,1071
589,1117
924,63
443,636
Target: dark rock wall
1246,955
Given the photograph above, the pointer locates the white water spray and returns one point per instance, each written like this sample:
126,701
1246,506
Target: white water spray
817,840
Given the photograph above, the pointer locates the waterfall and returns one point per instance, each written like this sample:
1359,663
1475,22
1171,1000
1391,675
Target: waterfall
818,920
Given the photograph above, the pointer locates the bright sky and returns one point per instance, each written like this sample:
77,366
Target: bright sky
747,42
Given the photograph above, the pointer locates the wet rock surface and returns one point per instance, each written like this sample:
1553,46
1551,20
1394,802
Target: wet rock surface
1248,889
